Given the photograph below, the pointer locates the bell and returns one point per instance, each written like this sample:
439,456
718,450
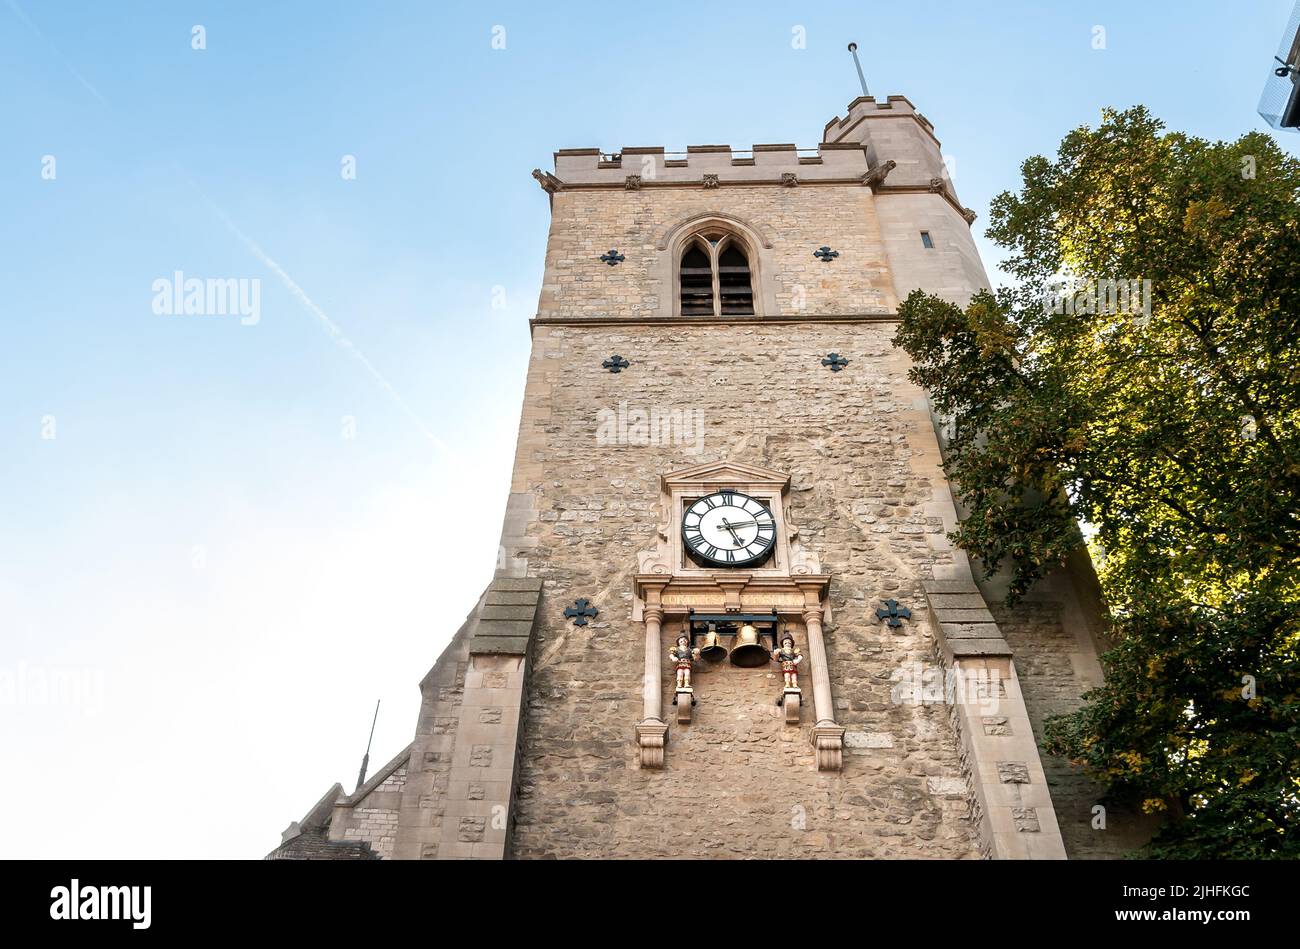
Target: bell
713,650
747,651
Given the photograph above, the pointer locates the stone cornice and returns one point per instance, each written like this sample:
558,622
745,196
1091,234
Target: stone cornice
965,212
647,183
742,591
710,320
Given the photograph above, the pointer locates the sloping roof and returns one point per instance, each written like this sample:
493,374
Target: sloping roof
308,839
312,844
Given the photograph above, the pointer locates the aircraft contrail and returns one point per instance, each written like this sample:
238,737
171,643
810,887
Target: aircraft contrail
329,325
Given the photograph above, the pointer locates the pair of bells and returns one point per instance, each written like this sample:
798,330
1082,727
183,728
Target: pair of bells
746,649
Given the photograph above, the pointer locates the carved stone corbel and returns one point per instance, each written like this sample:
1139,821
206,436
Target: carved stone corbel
938,185
790,701
651,737
685,702
632,183
828,739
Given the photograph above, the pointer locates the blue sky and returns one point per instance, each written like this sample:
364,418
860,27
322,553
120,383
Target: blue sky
213,579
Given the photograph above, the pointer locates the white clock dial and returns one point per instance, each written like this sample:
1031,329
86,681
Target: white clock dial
728,529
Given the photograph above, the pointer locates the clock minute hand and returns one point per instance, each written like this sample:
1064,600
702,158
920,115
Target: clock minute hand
731,527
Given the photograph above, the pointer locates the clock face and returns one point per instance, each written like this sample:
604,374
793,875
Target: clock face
728,529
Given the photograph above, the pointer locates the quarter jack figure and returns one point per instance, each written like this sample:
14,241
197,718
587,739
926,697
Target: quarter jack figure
789,657
684,655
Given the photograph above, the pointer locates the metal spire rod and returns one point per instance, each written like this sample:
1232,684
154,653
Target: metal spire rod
853,48
365,761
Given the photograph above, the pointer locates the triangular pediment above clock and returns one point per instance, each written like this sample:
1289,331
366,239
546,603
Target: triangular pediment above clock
736,474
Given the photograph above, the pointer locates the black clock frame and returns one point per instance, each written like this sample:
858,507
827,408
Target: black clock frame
702,561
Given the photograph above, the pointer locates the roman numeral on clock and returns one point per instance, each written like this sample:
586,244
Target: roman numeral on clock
728,528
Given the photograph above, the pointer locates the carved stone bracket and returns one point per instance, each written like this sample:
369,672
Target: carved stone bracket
790,701
651,736
685,701
828,739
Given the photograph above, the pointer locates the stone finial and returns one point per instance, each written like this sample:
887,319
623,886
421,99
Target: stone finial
789,179
550,184
876,176
710,182
632,183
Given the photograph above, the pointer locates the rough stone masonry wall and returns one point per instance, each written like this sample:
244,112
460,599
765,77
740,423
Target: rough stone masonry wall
797,221
737,782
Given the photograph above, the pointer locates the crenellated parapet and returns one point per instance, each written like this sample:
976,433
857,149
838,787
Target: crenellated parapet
710,166
868,107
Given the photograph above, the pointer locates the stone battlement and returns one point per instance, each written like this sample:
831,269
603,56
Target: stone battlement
760,164
845,155
868,107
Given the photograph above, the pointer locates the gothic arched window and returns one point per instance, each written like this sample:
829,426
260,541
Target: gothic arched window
716,279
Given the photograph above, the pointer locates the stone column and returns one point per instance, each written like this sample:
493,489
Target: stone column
821,677
827,737
652,690
652,731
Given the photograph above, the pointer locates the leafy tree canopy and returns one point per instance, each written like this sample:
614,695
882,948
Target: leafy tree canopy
1143,376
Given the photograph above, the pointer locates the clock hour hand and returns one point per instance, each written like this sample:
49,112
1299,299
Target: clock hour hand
732,527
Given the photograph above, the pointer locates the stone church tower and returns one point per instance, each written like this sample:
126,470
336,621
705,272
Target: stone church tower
718,441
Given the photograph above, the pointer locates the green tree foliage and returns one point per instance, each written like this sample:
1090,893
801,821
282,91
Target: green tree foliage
1172,426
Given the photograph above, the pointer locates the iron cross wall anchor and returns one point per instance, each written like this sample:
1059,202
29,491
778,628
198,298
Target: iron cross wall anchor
615,363
835,362
613,258
893,614
580,611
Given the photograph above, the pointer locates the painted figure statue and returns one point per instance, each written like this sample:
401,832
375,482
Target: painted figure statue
789,657
684,656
